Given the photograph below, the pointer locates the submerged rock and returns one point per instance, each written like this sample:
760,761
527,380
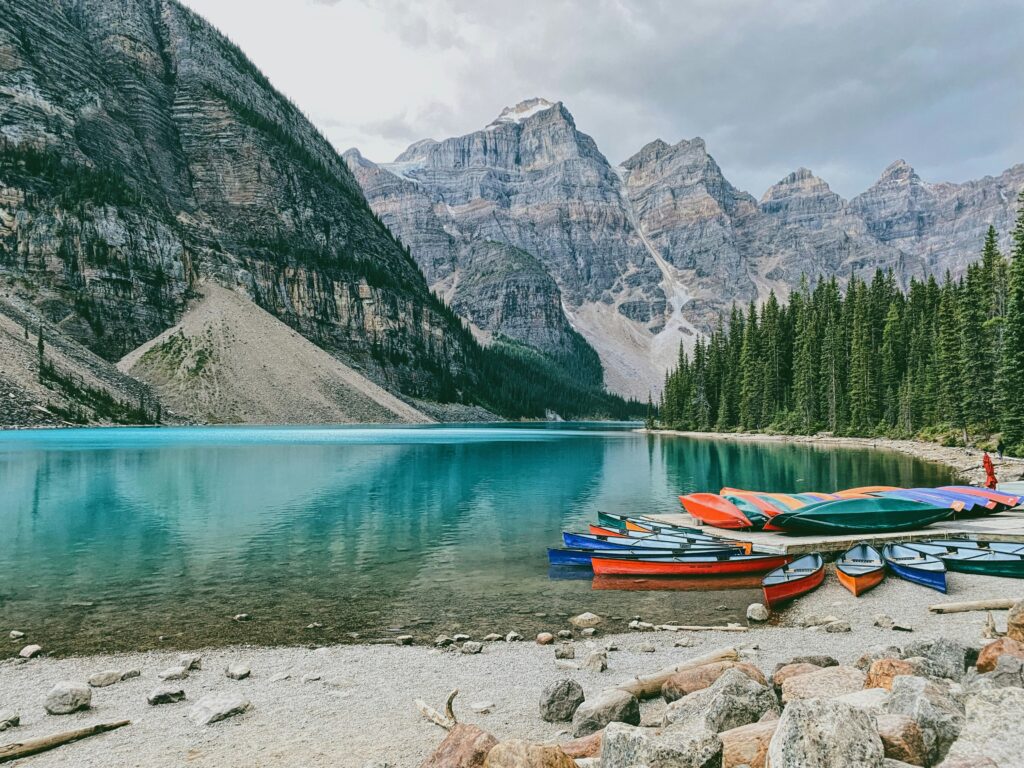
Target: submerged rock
560,700
585,620
16,635
67,697
30,651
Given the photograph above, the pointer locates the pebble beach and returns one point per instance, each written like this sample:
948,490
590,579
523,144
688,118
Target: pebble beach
353,706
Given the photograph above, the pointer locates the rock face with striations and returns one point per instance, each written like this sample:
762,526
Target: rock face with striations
140,152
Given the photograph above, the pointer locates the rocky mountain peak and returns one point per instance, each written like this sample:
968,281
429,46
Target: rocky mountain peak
898,172
800,183
523,111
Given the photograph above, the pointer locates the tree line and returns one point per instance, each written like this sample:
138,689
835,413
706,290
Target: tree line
937,360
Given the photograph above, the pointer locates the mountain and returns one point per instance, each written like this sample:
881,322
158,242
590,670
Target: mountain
142,156
651,253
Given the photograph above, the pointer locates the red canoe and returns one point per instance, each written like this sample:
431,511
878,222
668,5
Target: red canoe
792,580
686,565
999,498
714,510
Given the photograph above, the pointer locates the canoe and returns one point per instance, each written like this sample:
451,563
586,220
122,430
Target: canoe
580,557
922,496
915,566
999,497
600,530
653,541
974,559
712,509
615,520
686,565
973,505
1008,547
793,579
865,490
755,510
860,568
869,514
774,502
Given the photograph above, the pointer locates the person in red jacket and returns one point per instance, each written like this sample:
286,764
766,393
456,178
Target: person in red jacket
990,471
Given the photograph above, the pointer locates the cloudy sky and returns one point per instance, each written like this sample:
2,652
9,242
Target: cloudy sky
842,87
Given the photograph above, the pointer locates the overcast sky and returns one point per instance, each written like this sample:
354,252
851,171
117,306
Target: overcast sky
841,87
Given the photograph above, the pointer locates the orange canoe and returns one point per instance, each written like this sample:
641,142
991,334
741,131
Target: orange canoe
712,509
860,568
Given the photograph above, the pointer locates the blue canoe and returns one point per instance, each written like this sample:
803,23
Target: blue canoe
579,557
918,567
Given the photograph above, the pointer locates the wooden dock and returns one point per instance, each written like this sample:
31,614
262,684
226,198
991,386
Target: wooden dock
1006,526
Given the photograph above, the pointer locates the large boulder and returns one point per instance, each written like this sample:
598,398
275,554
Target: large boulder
786,671
826,683
585,746
882,672
689,680
822,733
747,745
1008,672
626,746
559,700
871,700
610,706
1004,646
465,746
902,738
817,660
733,700
949,658
932,705
67,697
991,730
1015,622
517,753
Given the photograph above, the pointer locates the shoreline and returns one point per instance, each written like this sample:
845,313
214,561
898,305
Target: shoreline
966,462
349,705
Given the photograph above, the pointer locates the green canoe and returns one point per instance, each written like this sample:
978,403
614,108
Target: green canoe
867,515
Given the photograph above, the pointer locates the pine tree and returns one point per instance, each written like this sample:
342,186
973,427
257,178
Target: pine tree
751,370
1012,374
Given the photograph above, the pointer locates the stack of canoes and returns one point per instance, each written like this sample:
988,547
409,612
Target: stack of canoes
870,509
621,545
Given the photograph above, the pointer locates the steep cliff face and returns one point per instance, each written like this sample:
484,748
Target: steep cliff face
142,152
942,224
651,253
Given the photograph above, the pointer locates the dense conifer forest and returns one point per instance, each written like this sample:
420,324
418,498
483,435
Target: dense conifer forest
941,360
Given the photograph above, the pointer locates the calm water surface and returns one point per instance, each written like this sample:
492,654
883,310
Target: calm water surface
121,539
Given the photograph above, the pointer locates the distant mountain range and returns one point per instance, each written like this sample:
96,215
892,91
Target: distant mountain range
527,230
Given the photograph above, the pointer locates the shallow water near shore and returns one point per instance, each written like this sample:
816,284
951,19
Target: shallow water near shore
131,539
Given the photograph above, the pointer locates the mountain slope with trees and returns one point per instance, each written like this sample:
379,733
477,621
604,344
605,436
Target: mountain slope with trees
941,359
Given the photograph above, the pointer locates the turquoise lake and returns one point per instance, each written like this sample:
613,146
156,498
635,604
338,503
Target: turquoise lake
118,539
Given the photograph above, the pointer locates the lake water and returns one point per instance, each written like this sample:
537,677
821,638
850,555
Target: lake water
117,539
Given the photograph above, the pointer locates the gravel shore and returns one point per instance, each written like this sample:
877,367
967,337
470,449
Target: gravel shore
361,707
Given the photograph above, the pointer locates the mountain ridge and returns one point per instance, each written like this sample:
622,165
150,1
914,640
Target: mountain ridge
679,243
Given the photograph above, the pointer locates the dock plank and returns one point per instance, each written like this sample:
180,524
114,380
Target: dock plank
1006,526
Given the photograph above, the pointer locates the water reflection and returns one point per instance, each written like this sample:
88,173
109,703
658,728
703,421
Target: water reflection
111,538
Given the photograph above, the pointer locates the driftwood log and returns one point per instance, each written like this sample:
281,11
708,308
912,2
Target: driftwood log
995,604
649,686
447,720
701,628
21,749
